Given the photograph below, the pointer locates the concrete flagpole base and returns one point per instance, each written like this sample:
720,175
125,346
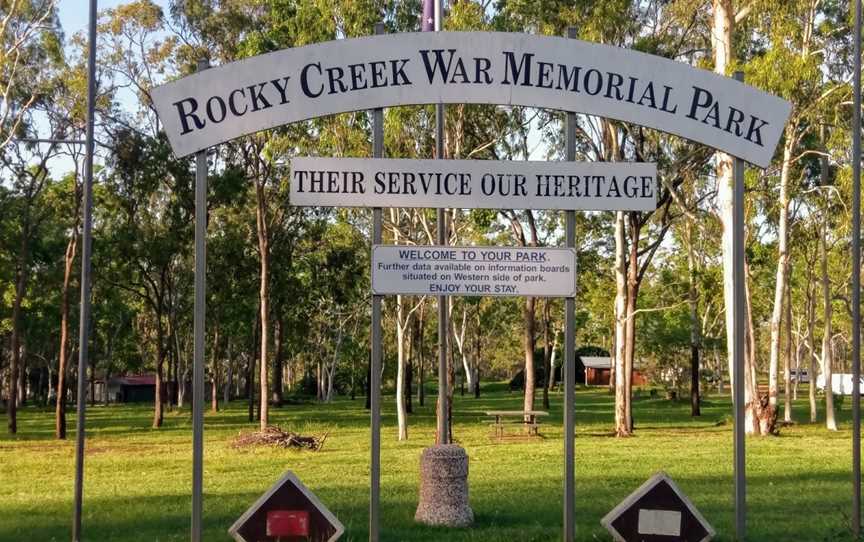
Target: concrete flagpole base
444,487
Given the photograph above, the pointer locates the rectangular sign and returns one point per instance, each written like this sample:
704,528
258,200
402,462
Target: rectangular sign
473,184
473,271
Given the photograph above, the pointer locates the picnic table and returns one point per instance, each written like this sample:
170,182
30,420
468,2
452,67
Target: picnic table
529,419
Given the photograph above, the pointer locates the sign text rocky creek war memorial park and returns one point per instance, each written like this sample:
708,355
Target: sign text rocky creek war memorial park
266,91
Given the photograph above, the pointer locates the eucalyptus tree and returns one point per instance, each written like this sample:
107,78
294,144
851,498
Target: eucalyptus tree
72,211
68,106
792,68
28,182
145,225
30,40
726,14
225,32
405,228
231,265
342,281
30,50
138,50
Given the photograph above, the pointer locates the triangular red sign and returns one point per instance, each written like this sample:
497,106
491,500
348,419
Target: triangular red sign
287,509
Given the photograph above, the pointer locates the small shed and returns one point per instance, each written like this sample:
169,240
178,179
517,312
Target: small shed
132,389
598,371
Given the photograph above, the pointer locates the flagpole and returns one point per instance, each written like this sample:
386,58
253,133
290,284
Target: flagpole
856,280
86,254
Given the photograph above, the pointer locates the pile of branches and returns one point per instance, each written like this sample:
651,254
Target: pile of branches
274,436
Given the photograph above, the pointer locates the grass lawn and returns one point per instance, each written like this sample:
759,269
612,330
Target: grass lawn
138,480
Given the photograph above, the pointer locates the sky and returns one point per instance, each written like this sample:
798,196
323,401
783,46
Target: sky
75,13
74,16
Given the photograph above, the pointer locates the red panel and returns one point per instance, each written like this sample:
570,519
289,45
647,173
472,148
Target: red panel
287,523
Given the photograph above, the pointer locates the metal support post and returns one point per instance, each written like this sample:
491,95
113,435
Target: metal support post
570,356
86,254
569,396
375,399
443,409
200,309
856,280
739,313
375,362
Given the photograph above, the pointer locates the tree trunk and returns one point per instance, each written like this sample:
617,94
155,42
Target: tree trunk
478,342
214,372
694,381
811,350
353,369
331,370
459,340
401,414
827,353
92,380
798,347
528,318
279,362
721,41
229,374
622,417
719,367
319,389
160,362
409,389
451,379
759,416
22,377
409,377
630,334
547,351
250,366
264,300
477,382
173,367
782,268
179,378
787,360
421,354
695,327
60,407
50,385
289,373
105,387
368,404
20,283
159,394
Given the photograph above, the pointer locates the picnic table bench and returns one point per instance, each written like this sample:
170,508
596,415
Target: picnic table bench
528,418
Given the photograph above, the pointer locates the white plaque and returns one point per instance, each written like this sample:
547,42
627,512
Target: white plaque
470,184
291,85
473,271
659,522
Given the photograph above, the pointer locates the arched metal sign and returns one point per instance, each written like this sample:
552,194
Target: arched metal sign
266,91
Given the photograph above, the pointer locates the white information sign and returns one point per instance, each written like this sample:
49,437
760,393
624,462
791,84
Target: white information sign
471,184
473,271
270,90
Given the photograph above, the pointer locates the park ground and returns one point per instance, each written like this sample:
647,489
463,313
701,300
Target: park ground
138,479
